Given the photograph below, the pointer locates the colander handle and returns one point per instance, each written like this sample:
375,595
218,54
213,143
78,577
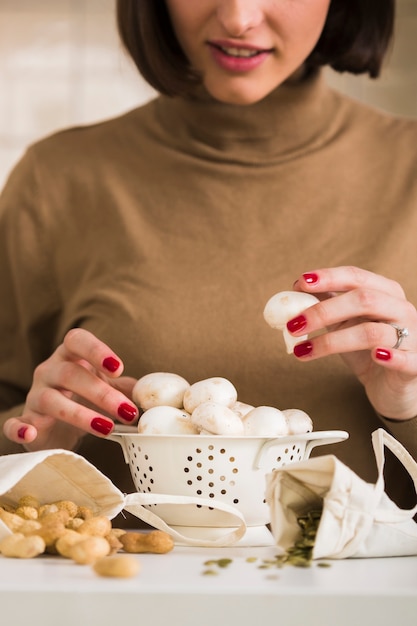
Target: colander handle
313,439
135,504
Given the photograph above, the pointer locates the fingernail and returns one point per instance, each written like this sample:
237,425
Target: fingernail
382,354
22,432
111,364
296,324
101,425
311,278
303,349
127,412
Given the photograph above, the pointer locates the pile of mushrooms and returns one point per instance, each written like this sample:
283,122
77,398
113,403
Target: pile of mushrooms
173,406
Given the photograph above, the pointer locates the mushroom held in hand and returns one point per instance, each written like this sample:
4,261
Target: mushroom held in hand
265,421
166,420
284,306
211,418
219,390
160,389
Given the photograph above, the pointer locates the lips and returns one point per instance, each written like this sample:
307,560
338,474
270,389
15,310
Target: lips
237,57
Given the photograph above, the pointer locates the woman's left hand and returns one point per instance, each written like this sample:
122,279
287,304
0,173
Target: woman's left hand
368,320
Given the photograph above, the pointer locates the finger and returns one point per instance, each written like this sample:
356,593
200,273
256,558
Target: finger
81,344
365,336
75,378
52,402
18,431
354,305
346,278
405,363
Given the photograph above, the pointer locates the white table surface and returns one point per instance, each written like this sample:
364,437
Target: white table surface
172,590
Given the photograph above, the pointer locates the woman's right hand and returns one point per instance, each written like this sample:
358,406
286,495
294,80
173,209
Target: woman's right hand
77,390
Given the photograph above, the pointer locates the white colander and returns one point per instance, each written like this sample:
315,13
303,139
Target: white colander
209,490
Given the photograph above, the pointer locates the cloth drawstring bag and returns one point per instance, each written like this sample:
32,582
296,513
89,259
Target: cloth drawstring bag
357,519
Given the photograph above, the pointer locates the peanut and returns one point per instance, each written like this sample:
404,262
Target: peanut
22,547
27,512
117,566
29,501
67,505
98,526
65,543
90,549
156,542
12,521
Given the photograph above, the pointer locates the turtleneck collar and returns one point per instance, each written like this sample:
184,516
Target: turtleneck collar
295,118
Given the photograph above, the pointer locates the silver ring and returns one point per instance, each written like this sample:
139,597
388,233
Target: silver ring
401,333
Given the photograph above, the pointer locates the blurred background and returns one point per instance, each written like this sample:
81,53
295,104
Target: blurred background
61,64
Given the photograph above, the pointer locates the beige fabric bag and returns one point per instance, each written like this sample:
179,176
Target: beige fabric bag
358,519
52,475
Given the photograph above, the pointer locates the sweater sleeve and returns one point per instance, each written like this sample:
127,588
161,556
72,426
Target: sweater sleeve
28,304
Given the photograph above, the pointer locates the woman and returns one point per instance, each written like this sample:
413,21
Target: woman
152,242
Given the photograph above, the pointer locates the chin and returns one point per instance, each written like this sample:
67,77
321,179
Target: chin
238,96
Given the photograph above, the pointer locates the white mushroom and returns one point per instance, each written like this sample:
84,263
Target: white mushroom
299,422
166,420
217,389
160,389
265,421
241,408
282,307
212,418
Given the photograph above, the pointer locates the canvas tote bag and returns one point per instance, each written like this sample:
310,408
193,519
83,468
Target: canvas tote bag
358,519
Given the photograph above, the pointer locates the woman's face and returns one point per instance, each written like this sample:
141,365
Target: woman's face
246,48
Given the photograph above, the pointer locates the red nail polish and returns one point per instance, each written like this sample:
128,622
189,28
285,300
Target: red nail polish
303,349
111,364
101,425
127,412
22,432
297,324
311,278
382,354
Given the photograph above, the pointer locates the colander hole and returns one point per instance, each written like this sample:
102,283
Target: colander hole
189,482
232,459
222,478
151,481
189,458
222,451
198,450
211,457
211,447
223,492
146,457
235,470
294,446
211,495
150,468
199,465
211,471
145,476
286,450
232,483
211,484
278,459
235,501
199,478
199,492
186,469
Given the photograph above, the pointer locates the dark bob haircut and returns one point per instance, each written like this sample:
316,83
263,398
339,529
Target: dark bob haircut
355,39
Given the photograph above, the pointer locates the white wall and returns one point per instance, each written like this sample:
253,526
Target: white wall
61,64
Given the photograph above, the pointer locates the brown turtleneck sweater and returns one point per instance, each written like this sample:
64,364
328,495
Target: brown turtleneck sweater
166,230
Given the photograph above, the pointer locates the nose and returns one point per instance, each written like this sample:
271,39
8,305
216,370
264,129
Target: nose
239,16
